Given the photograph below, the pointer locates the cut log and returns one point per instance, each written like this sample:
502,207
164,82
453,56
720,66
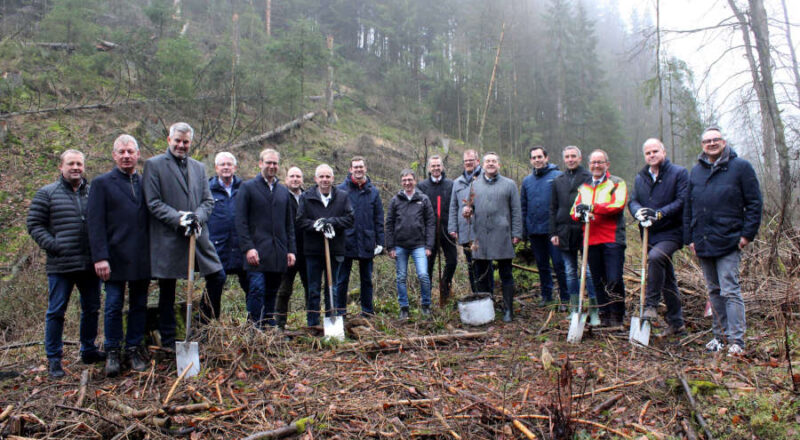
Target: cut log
294,428
275,132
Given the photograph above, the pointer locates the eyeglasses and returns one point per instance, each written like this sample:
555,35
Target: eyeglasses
711,141
597,162
470,160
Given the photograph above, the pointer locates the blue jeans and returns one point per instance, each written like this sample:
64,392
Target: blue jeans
315,267
365,274
544,251
572,267
661,281
263,290
606,260
61,285
421,266
137,313
722,278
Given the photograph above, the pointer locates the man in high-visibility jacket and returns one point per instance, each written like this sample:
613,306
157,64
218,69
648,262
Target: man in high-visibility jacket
601,204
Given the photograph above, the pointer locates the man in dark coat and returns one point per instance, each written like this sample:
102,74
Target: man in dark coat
566,233
657,200
294,183
324,214
222,222
118,217
365,237
439,190
535,195
177,195
57,223
722,216
266,231
410,232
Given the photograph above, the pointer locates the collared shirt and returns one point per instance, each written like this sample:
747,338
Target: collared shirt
296,195
228,188
182,165
490,179
325,199
435,180
270,185
653,175
409,196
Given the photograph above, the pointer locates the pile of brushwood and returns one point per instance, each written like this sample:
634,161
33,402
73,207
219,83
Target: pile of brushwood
434,378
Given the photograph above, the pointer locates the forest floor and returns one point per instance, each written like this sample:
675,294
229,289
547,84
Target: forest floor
425,378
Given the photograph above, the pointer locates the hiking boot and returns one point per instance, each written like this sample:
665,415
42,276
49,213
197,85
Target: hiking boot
136,358
54,368
714,346
673,331
426,311
93,357
735,350
112,363
594,313
404,313
650,313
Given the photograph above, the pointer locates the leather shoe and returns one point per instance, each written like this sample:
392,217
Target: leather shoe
404,313
136,358
54,367
112,363
93,357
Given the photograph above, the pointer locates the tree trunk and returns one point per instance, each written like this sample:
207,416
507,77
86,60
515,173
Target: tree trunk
658,75
329,85
491,84
792,52
268,18
234,64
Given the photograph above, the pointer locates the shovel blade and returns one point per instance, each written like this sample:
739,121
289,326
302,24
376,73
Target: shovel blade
334,327
188,353
577,322
640,331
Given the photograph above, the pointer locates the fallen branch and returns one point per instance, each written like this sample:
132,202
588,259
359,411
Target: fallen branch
294,428
405,402
175,385
446,425
606,404
643,429
6,412
547,321
697,415
275,132
82,389
613,387
90,412
430,341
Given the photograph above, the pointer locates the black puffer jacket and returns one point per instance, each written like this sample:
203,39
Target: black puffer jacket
57,223
410,224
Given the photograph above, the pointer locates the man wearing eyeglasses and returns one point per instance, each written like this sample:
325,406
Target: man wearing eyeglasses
601,203
722,216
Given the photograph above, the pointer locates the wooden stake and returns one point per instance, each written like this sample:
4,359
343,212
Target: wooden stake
175,385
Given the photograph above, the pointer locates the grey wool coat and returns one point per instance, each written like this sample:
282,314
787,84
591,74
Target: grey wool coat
497,219
166,192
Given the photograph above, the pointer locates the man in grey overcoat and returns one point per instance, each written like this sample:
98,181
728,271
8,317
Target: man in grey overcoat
497,225
180,202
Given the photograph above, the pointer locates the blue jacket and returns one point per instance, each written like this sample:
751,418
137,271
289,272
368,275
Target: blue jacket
222,224
118,217
264,222
535,198
367,231
723,204
667,194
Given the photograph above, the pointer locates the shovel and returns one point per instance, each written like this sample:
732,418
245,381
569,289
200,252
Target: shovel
333,325
640,327
577,321
187,353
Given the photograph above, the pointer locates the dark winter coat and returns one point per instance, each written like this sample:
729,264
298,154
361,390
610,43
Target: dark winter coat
667,195
298,232
167,192
57,223
723,204
222,224
264,222
535,195
461,193
367,230
442,189
339,212
410,224
118,217
564,192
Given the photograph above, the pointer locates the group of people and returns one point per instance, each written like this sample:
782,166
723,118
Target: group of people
132,228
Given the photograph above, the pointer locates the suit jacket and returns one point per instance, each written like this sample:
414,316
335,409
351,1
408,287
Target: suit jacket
118,217
167,192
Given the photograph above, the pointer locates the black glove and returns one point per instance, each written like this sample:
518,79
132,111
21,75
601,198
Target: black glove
644,214
192,224
583,210
327,230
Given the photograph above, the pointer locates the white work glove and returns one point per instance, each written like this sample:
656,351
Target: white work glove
378,250
185,219
328,232
319,224
646,223
192,224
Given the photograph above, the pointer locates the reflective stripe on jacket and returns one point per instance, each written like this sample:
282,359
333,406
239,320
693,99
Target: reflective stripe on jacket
608,204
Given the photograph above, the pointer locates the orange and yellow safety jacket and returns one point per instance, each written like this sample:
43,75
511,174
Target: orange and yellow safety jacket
607,201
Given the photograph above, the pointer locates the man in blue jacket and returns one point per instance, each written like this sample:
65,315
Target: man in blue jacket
722,216
657,203
265,226
365,237
118,217
222,222
535,195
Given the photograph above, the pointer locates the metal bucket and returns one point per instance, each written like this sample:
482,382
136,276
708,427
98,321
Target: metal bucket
477,309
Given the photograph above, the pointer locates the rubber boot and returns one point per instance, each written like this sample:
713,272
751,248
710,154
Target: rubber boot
508,303
112,363
573,303
594,313
54,368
